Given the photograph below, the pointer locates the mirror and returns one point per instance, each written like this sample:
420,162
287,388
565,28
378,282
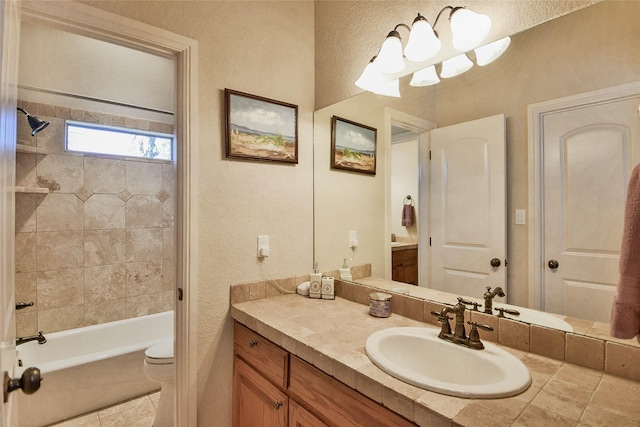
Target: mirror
588,50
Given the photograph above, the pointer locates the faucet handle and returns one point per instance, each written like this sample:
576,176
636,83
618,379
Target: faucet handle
475,325
464,301
444,319
503,310
474,336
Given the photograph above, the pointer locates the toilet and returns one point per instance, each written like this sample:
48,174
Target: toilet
158,367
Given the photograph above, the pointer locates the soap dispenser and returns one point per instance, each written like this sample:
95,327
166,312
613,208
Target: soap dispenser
315,283
345,271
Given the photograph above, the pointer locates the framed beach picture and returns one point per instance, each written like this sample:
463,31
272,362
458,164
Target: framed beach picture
260,129
353,146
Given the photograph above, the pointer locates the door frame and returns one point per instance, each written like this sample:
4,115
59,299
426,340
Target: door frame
536,114
98,24
423,127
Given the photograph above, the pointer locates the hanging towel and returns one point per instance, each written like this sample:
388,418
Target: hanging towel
625,312
407,215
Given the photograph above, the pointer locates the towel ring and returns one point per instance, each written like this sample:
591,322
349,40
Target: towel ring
408,199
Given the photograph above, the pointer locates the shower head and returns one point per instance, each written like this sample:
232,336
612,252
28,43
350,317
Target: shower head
35,123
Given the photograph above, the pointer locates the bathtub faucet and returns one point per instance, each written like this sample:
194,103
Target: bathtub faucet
41,339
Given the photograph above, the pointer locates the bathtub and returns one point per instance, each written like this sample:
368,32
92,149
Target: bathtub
89,368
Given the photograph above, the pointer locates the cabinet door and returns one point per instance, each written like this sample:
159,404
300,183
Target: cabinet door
256,402
300,417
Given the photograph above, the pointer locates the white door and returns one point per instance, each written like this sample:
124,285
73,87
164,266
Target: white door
9,31
468,206
587,158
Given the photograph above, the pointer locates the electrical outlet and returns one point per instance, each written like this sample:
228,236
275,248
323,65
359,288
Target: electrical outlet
353,239
263,246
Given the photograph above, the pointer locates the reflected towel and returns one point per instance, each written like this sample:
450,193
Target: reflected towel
407,215
625,312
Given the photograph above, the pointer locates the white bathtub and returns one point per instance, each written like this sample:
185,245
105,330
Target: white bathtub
89,368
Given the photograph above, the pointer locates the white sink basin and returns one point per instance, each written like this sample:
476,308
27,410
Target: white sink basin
417,356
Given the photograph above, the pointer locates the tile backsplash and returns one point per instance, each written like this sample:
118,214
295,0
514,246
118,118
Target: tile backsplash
99,246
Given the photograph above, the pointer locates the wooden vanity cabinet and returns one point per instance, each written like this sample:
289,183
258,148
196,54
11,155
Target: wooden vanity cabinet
404,265
273,388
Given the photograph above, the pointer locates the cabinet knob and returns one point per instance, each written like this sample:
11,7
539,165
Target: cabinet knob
253,343
277,405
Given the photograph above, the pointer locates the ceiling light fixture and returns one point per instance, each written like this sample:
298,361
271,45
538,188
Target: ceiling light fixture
468,30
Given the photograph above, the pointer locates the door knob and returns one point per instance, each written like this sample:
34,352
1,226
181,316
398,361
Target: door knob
29,382
553,264
495,262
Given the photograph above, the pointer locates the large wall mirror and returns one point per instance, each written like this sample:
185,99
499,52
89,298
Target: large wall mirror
587,51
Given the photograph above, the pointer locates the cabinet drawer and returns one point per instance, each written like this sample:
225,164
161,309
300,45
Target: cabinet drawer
264,356
338,403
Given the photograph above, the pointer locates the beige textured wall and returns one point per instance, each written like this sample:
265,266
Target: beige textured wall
99,247
349,33
264,48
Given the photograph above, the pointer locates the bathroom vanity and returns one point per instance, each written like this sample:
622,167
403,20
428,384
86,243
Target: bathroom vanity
404,263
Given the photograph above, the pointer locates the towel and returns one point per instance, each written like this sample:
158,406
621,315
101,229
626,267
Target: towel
407,215
625,311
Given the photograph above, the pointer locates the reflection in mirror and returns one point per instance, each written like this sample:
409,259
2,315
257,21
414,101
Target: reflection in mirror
589,50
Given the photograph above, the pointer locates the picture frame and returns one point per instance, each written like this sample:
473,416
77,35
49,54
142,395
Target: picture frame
353,146
258,128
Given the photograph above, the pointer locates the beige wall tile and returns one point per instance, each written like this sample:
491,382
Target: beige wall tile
104,211
168,300
513,334
25,213
168,243
26,323
143,244
104,175
59,249
547,342
61,319
60,288
143,278
585,351
168,275
486,319
143,177
53,140
103,247
143,211
622,360
142,305
257,290
62,173
59,212
105,311
103,283
26,290
168,209
25,252
26,175
169,178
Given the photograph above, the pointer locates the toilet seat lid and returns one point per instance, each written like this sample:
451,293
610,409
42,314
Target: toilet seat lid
162,352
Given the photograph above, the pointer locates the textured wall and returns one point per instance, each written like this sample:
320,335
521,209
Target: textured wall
349,33
264,48
99,247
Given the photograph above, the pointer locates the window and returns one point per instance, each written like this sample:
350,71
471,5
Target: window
101,139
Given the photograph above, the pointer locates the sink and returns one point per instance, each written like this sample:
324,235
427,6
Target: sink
418,357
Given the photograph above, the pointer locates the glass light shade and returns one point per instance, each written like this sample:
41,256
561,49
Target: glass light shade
371,78
425,77
455,66
490,52
391,88
390,59
468,29
423,42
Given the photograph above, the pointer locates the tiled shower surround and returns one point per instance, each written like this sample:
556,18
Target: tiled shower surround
99,246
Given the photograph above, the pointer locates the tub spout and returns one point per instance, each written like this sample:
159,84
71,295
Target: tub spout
40,338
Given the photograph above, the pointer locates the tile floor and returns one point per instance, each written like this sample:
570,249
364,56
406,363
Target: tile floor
137,412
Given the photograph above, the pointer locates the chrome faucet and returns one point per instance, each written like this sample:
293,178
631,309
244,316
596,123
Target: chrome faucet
40,338
488,298
459,336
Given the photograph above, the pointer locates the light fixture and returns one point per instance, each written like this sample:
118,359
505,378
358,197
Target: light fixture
390,59
35,123
423,42
391,88
425,77
468,28
490,52
371,78
455,66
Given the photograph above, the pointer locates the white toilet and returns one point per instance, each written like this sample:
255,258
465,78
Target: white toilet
158,367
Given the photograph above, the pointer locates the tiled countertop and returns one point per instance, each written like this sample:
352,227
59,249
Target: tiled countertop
400,246
330,334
